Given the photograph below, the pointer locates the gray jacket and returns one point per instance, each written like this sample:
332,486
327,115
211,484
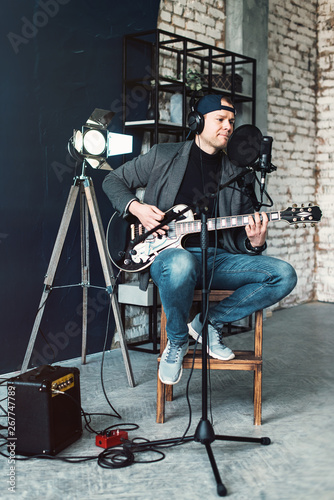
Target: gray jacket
160,172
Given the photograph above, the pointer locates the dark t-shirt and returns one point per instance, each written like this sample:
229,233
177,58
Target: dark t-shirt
202,177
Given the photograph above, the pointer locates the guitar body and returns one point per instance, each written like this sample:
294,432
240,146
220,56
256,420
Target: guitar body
121,232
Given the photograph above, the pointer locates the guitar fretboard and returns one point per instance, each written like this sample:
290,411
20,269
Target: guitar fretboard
186,227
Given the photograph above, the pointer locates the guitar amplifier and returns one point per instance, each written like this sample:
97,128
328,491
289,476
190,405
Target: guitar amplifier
44,410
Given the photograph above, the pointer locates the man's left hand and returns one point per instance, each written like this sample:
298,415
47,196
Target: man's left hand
257,229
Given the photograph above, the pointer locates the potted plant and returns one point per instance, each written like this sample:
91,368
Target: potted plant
194,80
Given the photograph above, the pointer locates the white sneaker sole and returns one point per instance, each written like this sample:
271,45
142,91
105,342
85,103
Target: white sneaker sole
167,382
198,337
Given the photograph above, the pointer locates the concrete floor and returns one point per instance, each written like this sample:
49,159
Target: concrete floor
298,410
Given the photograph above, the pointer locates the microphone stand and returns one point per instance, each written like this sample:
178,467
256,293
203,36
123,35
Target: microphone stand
204,433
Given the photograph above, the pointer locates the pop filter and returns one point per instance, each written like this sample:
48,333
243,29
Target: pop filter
243,147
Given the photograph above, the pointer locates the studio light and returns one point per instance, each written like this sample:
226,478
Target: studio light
94,143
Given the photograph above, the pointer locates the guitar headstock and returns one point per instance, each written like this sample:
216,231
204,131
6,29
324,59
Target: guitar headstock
301,215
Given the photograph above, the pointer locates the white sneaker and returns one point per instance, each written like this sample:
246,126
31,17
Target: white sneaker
170,366
215,347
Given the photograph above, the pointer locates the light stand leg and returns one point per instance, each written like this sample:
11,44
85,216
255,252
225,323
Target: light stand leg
57,249
107,271
85,274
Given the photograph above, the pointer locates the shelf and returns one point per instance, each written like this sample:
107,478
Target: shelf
177,86
238,96
152,122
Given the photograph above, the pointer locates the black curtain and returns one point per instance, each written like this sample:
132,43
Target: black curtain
60,59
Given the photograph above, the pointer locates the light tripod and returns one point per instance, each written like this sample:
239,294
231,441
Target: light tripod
88,206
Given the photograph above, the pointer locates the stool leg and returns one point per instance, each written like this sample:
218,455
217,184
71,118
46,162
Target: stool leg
160,400
258,344
169,392
164,392
258,334
258,395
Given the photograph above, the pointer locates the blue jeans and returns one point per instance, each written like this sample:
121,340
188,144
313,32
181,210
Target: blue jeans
259,281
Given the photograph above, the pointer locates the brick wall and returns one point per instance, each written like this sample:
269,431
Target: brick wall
292,68
325,151
300,118
202,21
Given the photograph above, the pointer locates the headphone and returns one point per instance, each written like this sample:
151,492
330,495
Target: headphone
195,118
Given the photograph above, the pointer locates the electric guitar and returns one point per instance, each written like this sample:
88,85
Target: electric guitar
132,248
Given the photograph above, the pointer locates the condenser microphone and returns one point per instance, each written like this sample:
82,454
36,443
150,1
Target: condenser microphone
265,165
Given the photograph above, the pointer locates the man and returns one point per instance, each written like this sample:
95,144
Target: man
176,173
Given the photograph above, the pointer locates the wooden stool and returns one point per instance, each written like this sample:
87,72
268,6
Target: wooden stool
244,360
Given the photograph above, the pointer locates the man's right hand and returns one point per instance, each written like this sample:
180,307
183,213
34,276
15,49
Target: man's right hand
149,215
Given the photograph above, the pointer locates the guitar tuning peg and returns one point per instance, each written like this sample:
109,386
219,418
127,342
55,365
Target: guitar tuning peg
296,226
294,205
312,225
304,225
302,205
310,204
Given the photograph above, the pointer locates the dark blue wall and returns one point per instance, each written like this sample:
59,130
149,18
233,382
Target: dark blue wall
60,59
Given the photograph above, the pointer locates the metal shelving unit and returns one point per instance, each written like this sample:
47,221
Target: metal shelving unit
155,65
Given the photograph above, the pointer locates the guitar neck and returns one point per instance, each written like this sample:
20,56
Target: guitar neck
186,227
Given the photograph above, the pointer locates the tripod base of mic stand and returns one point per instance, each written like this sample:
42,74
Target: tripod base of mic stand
204,434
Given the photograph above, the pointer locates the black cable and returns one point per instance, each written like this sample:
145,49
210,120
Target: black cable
87,416
68,459
115,458
261,204
117,415
244,189
134,447
49,290
149,449
125,427
216,205
5,412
